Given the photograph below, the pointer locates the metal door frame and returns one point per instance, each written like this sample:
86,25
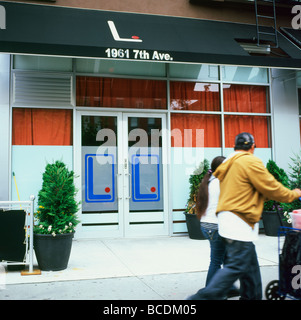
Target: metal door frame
131,230
124,229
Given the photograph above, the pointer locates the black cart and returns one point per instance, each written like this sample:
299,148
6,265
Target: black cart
289,283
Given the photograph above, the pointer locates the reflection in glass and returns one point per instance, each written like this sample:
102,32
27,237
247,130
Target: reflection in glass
193,71
91,130
99,164
245,74
194,96
145,164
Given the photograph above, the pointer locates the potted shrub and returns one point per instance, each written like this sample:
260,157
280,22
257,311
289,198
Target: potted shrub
192,222
272,215
56,218
294,182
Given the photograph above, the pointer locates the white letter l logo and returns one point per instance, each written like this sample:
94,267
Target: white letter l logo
116,35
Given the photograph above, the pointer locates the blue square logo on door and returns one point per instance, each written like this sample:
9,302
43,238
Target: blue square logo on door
99,178
145,178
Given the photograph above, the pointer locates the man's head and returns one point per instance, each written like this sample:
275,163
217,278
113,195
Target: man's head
244,141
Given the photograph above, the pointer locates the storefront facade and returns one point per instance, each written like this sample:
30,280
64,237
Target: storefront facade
135,118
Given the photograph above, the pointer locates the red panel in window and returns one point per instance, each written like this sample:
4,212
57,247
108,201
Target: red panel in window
120,93
245,98
258,126
42,127
184,130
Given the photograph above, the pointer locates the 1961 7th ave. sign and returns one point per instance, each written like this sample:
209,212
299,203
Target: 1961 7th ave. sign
137,54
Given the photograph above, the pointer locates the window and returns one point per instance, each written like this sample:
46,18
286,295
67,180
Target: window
204,100
299,103
120,93
184,128
244,74
245,98
42,127
120,67
194,96
299,100
258,126
194,71
42,63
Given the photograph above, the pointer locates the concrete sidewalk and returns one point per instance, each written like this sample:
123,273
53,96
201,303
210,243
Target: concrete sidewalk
131,269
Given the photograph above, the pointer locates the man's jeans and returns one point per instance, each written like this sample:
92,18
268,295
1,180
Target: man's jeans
241,263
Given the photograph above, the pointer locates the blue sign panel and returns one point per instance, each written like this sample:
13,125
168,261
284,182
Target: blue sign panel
145,178
99,178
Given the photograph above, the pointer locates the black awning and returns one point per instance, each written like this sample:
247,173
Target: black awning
53,30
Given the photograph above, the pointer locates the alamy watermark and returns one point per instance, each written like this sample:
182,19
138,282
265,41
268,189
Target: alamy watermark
188,146
296,281
2,18
296,21
2,277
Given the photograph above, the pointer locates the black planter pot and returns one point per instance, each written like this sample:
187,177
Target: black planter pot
53,253
193,227
271,221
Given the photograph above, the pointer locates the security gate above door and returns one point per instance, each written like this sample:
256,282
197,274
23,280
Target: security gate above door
123,175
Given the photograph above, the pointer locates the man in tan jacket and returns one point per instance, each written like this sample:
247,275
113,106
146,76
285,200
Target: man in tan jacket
245,184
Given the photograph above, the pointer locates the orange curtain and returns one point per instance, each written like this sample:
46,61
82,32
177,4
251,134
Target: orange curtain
258,126
120,93
42,127
245,98
194,96
211,124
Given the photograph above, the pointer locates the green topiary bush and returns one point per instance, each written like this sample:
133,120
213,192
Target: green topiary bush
57,207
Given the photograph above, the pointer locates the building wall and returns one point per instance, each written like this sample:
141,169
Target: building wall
4,126
242,12
286,116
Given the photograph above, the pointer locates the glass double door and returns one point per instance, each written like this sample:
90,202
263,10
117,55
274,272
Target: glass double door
123,174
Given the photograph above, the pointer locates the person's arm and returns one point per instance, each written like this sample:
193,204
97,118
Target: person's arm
267,185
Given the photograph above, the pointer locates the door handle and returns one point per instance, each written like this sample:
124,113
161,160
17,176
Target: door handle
117,188
130,186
